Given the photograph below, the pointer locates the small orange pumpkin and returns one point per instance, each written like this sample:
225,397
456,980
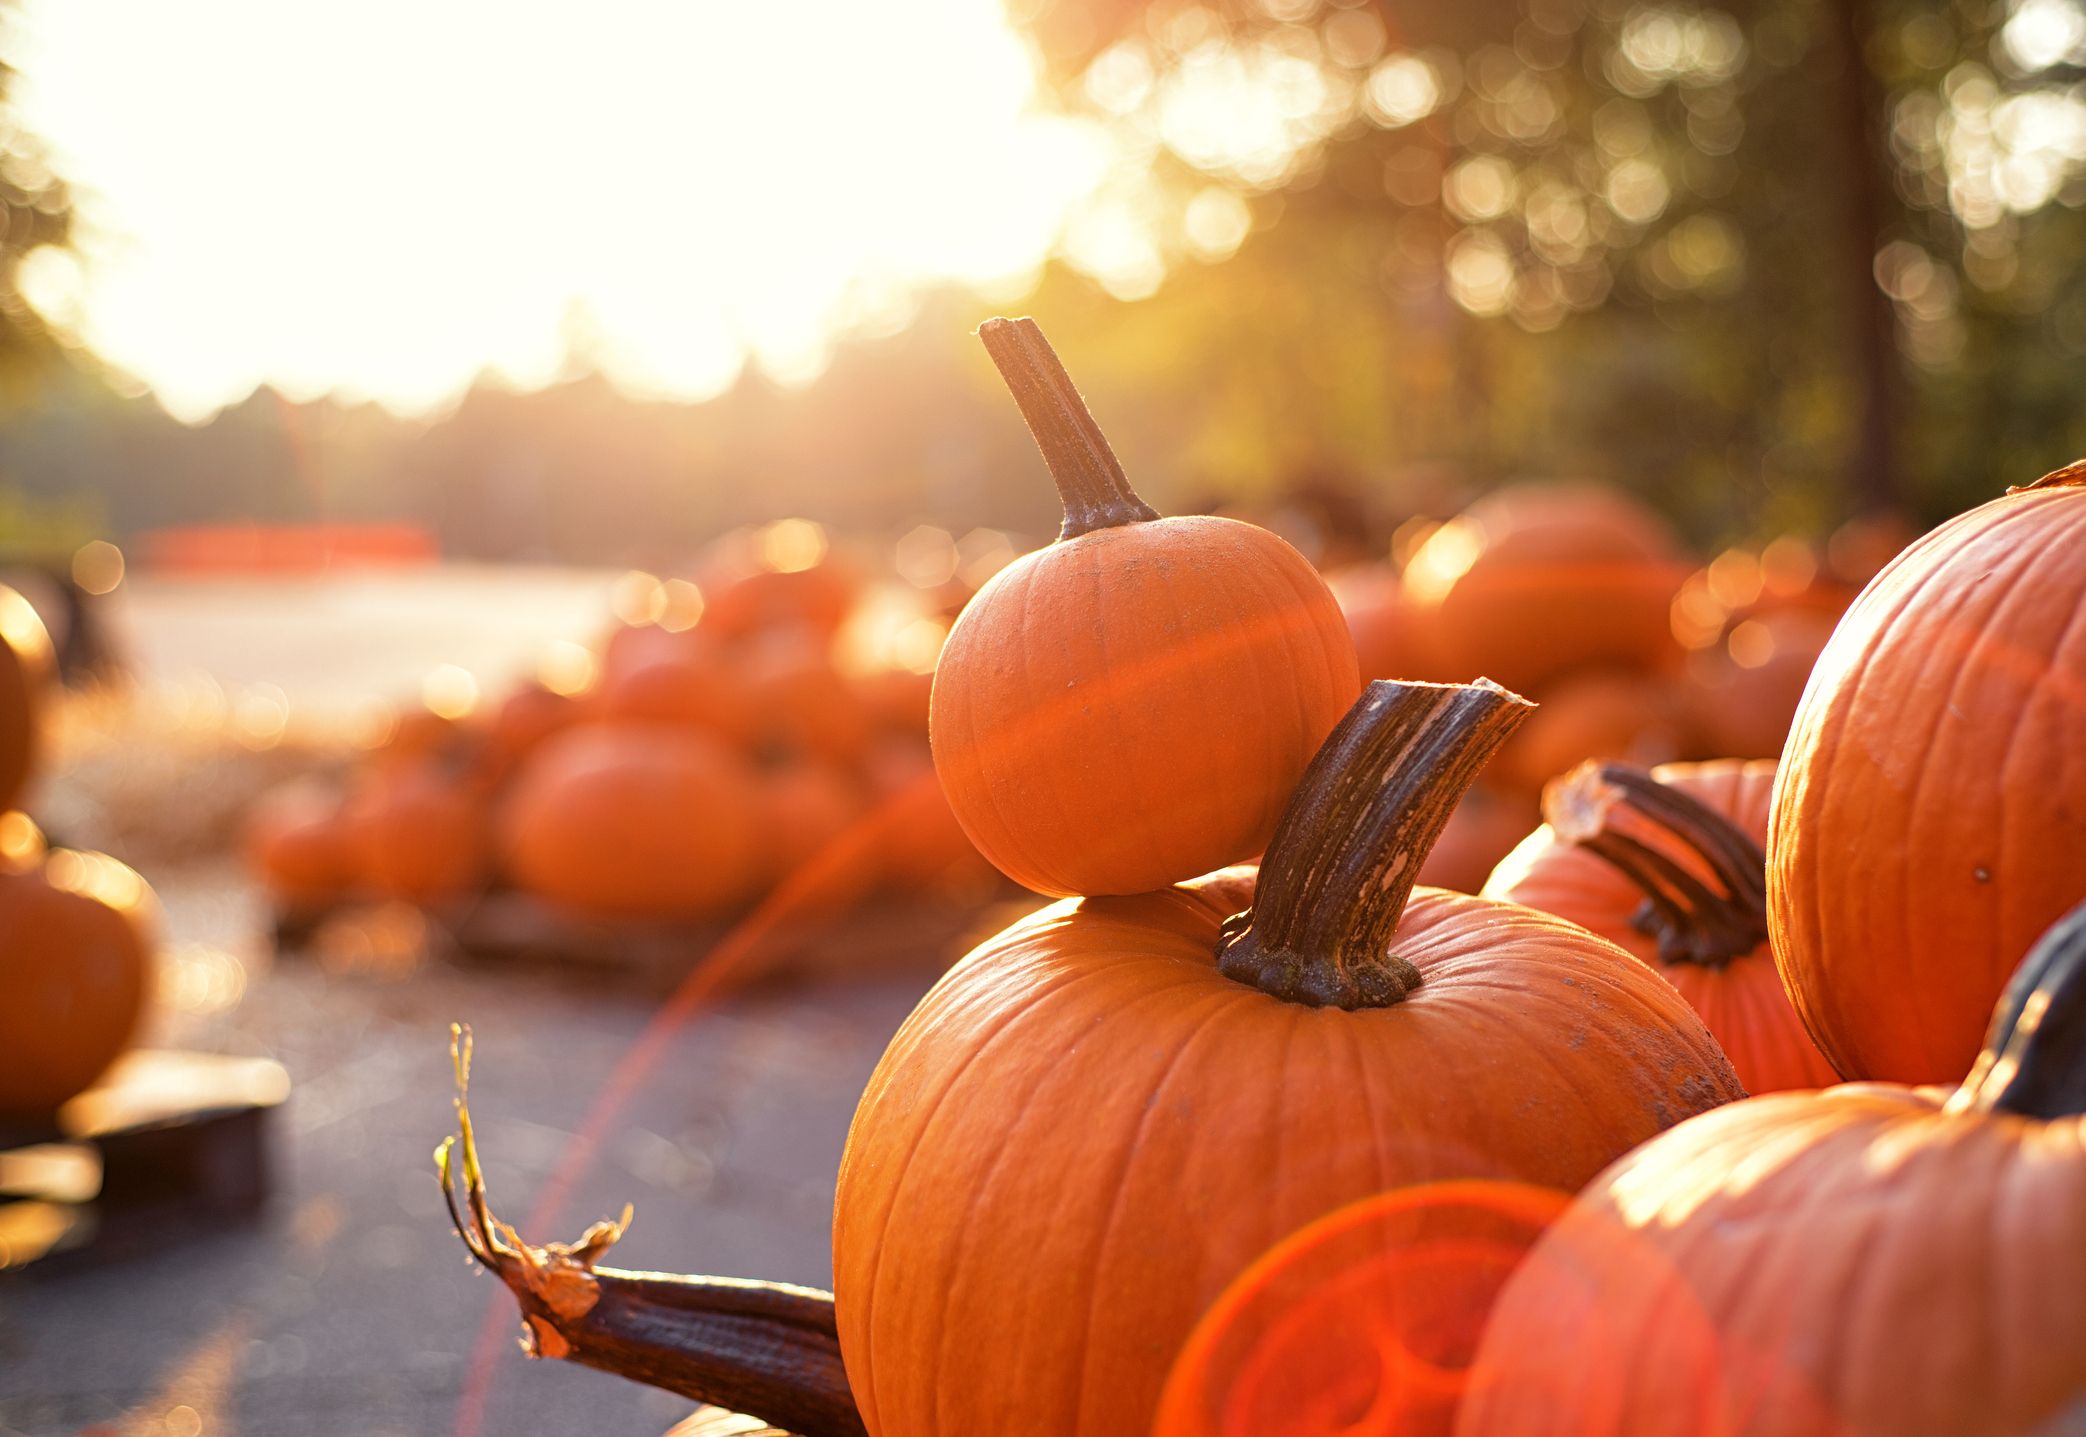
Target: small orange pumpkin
1668,865
74,967
1931,808
1131,705
1742,693
781,578
635,820
1869,1261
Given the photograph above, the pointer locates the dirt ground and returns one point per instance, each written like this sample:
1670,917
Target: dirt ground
351,1310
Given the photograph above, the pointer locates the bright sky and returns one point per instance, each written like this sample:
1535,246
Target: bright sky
385,198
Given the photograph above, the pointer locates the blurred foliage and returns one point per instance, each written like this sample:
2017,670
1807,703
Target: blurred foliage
35,211
1767,261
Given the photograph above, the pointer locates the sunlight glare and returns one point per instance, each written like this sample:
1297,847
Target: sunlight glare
388,200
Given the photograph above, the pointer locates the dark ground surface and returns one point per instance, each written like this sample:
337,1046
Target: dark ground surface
350,1309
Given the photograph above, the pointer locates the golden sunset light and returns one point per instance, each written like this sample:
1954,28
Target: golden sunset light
387,200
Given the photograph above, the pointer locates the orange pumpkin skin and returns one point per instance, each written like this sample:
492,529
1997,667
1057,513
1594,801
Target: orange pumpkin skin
1537,579
299,847
524,719
25,670
1390,636
1931,808
1742,1003
692,687
808,805
744,596
920,846
421,835
635,820
1745,712
1484,829
1131,707
75,969
799,703
1085,1131
1869,1261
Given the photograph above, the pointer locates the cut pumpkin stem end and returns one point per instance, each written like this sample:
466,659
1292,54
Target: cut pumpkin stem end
770,1350
1349,847
1704,880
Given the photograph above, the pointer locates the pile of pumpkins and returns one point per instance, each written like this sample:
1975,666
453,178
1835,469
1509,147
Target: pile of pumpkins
1088,1134
712,749
1583,599
75,927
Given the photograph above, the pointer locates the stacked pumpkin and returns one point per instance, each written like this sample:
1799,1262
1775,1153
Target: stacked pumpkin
732,739
1101,1116
74,926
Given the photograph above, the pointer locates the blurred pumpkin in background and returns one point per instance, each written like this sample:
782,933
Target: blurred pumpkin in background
1536,579
420,833
797,700
524,719
807,804
785,575
1597,713
635,820
25,673
299,843
74,973
689,683
1391,638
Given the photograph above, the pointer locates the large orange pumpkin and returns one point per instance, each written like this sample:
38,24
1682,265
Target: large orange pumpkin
1131,705
1931,809
1870,1261
1536,579
635,820
1668,865
25,670
1104,1114
74,972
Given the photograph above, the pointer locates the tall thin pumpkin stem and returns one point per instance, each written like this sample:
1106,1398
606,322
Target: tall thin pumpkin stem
1344,859
1704,880
2034,1060
1090,481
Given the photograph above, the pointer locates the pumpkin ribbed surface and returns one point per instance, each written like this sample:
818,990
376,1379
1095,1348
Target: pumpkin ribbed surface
1131,707
1085,1131
1930,816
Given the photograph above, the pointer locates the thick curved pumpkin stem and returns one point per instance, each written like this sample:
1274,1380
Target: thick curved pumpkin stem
763,1348
1343,861
1704,881
2034,1060
1090,481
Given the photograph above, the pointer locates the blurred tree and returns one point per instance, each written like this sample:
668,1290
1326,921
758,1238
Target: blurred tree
35,215
1771,261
